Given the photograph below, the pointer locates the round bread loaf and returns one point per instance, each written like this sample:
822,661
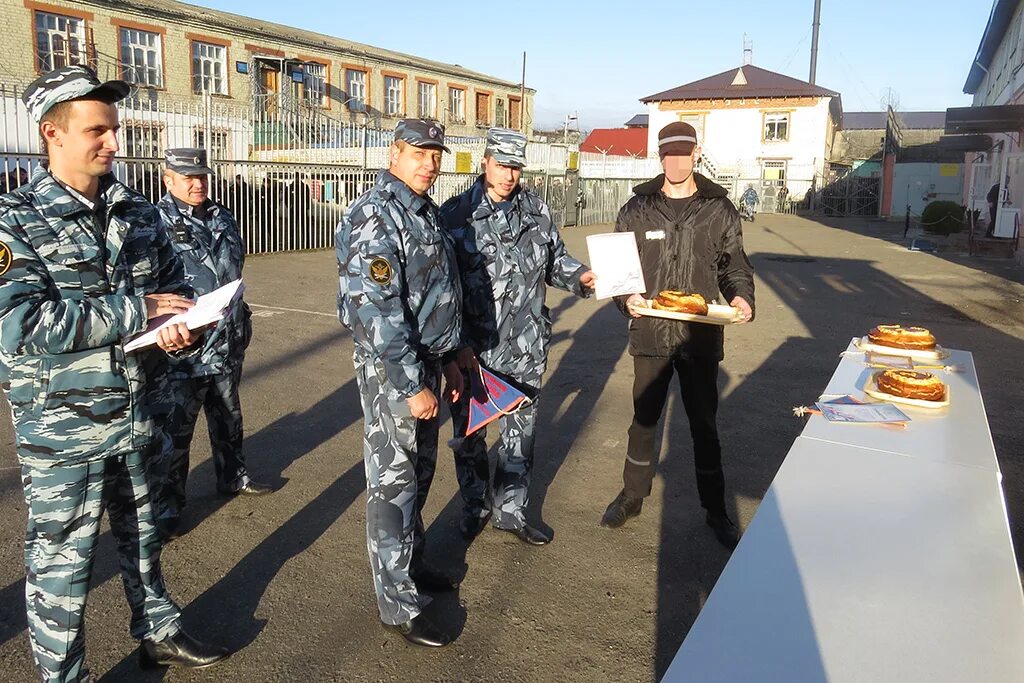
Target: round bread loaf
923,386
680,302
899,337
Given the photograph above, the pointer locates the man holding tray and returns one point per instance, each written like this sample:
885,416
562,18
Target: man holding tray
508,253
689,237
206,238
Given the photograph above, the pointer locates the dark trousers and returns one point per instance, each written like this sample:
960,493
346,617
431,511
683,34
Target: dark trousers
698,382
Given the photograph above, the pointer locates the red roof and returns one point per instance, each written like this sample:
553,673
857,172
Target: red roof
621,142
759,83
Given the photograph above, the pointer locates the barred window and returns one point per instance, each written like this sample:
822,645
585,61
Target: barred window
143,140
456,105
219,147
142,58
60,41
356,83
209,68
776,127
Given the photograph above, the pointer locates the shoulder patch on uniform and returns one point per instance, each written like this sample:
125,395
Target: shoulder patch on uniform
6,258
381,271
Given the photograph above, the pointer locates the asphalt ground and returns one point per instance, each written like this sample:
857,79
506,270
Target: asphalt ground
284,580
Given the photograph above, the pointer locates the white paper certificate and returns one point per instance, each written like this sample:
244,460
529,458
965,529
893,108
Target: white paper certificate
616,263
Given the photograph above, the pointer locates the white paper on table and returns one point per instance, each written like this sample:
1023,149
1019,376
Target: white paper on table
209,309
615,261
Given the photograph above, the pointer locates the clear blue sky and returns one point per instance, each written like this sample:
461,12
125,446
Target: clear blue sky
600,57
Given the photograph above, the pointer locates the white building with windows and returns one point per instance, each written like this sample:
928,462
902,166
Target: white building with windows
756,127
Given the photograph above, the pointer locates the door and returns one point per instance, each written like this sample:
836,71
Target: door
270,86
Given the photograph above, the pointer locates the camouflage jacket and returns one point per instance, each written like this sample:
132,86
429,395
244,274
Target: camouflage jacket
504,264
212,254
71,292
399,288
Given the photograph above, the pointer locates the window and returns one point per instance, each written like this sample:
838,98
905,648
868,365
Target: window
356,83
483,109
394,96
515,113
142,58
143,140
499,112
776,127
697,121
314,84
773,172
209,68
218,142
427,108
456,105
60,41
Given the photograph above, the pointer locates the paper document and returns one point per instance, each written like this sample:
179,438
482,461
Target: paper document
209,309
616,263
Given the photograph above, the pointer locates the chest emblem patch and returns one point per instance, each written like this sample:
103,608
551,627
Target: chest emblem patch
381,271
5,258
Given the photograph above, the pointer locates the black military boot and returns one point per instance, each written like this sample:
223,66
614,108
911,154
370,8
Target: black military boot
181,649
622,508
420,631
725,531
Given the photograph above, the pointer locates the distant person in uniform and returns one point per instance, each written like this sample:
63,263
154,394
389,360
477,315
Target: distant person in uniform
84,265
993,205
205,237
399,295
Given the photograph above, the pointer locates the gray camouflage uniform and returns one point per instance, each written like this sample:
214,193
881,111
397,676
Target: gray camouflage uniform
212,254
507,256
399,295
72,282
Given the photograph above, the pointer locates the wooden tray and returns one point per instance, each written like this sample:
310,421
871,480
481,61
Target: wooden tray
871,389
717,314
938,353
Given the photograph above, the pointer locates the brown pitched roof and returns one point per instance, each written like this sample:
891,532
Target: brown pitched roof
730,85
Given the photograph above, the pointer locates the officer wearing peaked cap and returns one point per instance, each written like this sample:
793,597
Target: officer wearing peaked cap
84,265
399,295
205,237
508,252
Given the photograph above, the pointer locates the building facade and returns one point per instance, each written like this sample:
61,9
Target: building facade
175,52
756,127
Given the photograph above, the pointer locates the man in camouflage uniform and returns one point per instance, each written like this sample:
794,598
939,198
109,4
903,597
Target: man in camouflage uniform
399,295
83,266
204,235
508,251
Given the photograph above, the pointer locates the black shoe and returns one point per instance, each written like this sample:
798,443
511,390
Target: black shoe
249,488
471,527
529,535
725,531
181,649
432,580
419,631
169,528
622,508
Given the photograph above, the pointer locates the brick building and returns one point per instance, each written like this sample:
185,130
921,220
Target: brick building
177,52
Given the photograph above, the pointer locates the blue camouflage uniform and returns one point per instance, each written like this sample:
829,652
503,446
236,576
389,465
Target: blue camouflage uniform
208,242
507,256
399,295
72,280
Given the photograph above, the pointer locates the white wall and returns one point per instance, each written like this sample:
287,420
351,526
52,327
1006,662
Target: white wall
732,137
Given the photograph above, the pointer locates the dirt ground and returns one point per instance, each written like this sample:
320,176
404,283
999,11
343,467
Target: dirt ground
284,580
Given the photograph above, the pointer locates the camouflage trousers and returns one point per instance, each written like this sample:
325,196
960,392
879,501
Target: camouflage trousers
399,455
217,396
505,493
65,504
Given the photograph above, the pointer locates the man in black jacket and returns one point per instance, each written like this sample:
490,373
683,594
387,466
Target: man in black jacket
690,239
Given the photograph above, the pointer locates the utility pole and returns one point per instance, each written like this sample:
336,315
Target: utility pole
522,98
814,40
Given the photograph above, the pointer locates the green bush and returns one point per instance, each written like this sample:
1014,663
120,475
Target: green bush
942,218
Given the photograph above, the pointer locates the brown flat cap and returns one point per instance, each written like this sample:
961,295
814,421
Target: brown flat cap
677,139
